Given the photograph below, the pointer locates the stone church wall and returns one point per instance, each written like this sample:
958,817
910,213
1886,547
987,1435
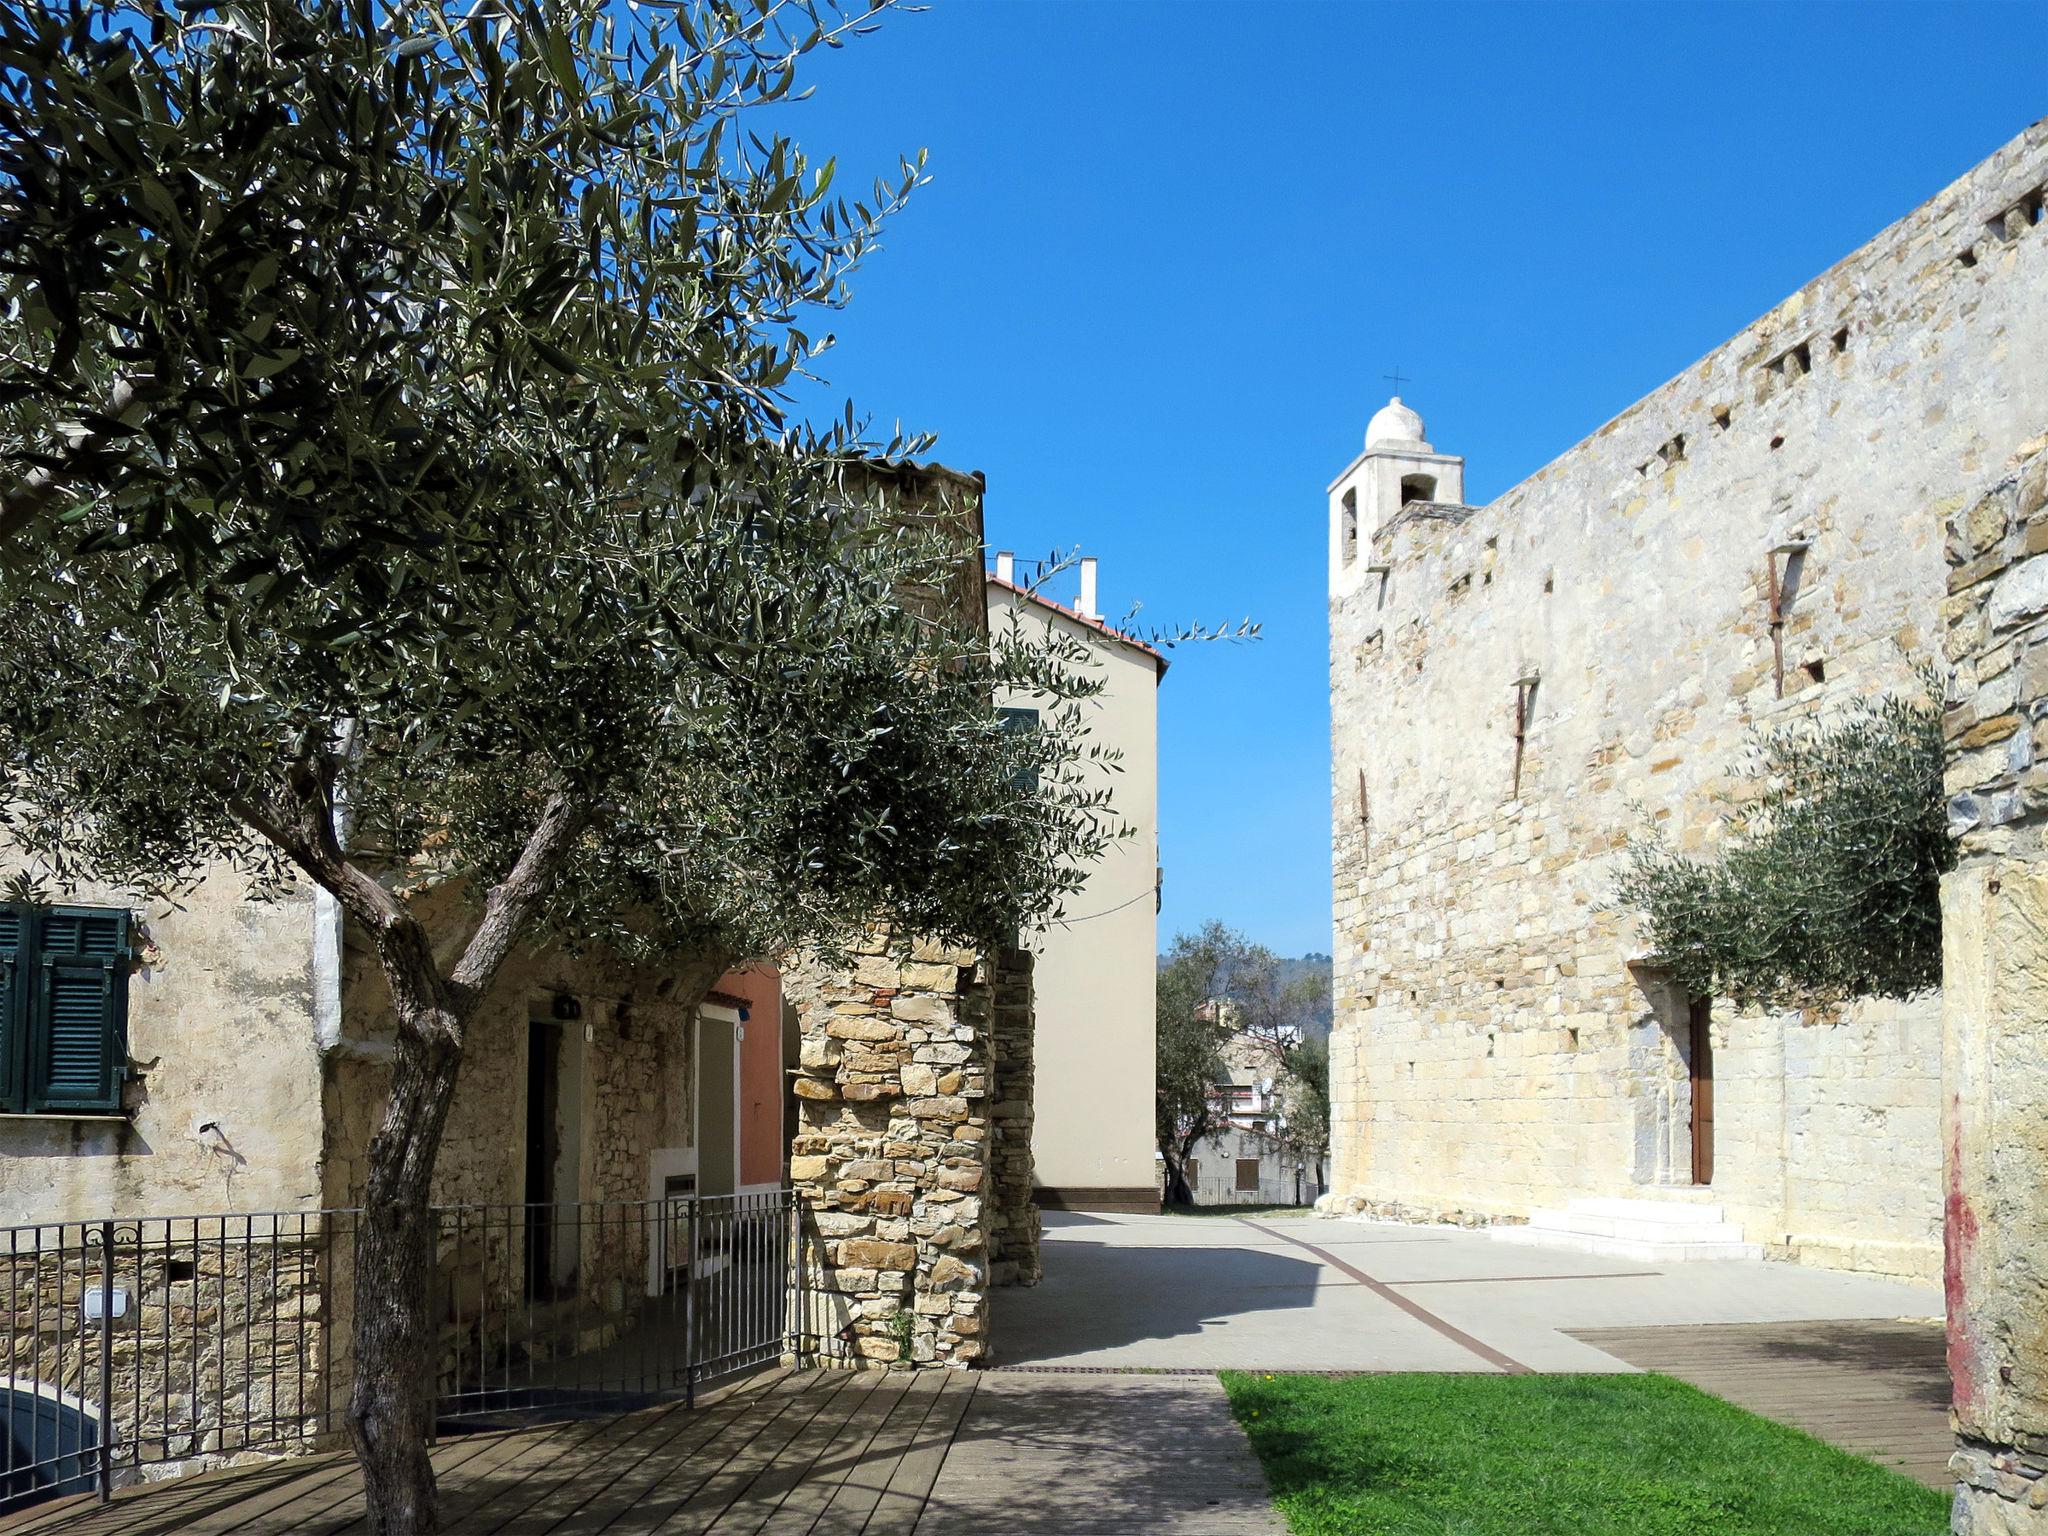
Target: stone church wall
1502,1042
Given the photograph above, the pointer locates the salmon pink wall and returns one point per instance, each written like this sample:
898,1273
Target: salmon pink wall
760,1062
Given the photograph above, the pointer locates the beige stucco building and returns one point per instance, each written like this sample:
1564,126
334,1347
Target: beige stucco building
1093,1138
1516,688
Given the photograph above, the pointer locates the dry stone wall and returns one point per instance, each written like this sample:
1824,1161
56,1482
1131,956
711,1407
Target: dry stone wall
1501,1042
1995,1018
1014,1222
892,1158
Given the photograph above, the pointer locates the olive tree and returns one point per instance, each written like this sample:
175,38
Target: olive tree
402,491
1828,887
1216,987
1190,1035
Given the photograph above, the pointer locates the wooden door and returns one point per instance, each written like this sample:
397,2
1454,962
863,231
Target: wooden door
1702,1068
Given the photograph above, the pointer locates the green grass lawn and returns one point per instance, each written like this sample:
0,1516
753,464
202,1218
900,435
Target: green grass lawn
1556,1456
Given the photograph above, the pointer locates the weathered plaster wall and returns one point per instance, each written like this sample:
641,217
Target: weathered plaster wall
219,1030
1494,1048
1995,1019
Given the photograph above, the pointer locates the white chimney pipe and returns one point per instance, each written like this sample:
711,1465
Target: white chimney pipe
1086,606
1006,567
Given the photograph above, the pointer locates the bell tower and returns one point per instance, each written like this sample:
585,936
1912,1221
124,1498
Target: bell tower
1398,467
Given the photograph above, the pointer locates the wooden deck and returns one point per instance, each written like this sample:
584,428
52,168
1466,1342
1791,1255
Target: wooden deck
1878,1389
816,1453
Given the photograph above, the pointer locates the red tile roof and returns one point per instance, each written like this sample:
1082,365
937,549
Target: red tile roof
1080,618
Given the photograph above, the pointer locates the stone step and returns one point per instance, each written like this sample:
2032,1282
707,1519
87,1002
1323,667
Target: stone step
1661,1228
1682,1205
1626,1248
1560,1224
1665,1230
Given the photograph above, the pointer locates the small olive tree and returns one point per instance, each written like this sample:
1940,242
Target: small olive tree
402,493
1188,1049
1830,886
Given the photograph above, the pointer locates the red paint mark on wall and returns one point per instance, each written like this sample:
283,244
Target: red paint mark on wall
1959,1238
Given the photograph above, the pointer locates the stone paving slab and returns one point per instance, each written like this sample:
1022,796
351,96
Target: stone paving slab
1107,1455
1181,1292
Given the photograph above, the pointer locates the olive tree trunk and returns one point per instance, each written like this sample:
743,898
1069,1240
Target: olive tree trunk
396,1344
391,1401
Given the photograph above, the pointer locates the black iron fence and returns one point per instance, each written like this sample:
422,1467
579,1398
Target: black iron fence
137,1341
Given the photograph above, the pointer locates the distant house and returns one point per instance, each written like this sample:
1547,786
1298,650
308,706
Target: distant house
1252,1160
1092,1142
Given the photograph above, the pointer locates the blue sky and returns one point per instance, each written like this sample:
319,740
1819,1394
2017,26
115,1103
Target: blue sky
1169,251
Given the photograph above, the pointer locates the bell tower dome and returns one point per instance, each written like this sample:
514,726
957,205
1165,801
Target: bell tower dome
1398,467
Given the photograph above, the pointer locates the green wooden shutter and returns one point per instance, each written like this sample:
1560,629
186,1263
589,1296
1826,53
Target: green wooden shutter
78,1044
15,975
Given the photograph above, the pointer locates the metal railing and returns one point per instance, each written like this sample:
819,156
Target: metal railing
607,1305
132,1341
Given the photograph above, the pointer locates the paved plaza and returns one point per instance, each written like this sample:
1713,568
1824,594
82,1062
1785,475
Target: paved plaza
1292,1292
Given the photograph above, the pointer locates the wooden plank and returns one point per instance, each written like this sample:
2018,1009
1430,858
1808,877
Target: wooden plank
1877,1389
807,1463
854,1456
855,1500
641,1467
550,1495
322,1495
696,1492
482,1480
164,1507
319,1505
909,1488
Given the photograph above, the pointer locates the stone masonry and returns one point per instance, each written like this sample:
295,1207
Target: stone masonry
1995,1005
891,1157
1517,688
1013,1209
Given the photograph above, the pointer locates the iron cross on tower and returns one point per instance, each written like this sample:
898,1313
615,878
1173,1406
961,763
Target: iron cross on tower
1397,378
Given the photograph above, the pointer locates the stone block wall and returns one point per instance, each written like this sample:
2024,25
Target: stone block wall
892,1157
1501,1042
1995,1016
1013,1208
225,1346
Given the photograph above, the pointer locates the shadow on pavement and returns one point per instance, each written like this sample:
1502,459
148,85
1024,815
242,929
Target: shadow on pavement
1101,1296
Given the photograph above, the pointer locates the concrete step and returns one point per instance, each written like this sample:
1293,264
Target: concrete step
1663,1231
1683,1205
